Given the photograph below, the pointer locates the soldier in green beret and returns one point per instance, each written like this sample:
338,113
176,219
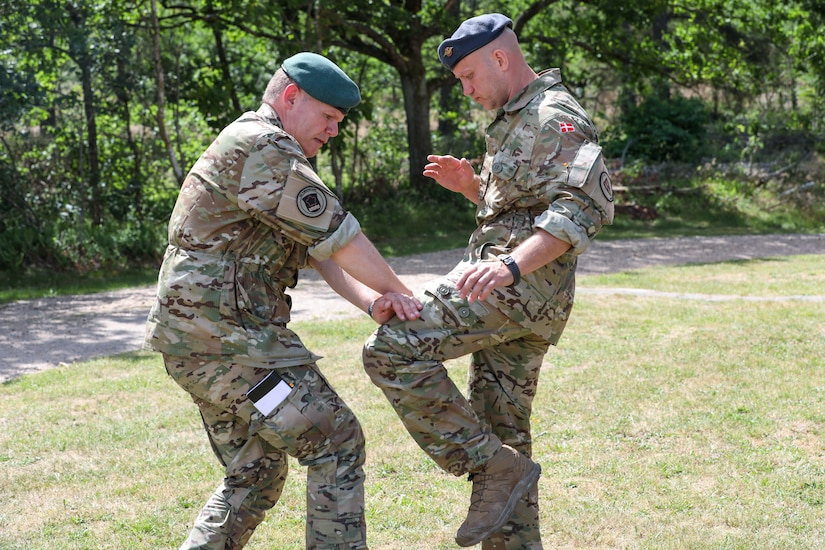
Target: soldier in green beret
250,214
542,195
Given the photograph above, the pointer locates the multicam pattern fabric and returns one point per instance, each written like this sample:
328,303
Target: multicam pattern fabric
313,425
539,172
250,214
237,237
527,185
405,359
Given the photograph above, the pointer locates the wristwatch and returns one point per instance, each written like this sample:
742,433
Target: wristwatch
513,267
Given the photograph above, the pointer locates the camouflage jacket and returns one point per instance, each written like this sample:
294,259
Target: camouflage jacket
542,170
249,214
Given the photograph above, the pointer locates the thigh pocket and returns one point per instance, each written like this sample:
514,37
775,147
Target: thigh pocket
447,307
308,417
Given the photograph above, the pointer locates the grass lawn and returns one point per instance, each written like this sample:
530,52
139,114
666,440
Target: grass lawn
660,423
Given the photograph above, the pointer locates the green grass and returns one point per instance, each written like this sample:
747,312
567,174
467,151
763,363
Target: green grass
760,277
660,423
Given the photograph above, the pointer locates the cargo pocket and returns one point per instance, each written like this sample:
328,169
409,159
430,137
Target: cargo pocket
310,414
448,308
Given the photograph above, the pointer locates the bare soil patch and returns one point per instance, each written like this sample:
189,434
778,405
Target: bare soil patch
44,333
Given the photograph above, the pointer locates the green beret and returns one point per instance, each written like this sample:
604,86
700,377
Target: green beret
471,35
323,80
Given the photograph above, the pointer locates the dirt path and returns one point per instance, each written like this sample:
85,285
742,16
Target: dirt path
47,332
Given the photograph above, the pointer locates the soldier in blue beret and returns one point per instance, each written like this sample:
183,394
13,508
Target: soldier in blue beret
250,215
472,35
542,195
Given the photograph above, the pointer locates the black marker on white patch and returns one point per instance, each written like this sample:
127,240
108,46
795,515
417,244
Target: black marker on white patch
269,393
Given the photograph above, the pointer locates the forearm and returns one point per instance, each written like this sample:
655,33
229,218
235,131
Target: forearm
362,261
471,191
358,273
538,250
479,280
356,293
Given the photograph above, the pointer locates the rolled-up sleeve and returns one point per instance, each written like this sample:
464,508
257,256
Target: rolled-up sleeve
572,217
563,229
337,240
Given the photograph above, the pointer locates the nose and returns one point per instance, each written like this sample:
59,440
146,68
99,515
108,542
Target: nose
332,128
466,88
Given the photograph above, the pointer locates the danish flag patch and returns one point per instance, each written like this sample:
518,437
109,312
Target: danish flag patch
565,127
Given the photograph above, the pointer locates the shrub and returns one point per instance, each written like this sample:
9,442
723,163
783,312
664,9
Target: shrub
661,130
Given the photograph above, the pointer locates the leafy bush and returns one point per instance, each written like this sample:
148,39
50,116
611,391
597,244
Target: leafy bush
661,130
407,221
19,244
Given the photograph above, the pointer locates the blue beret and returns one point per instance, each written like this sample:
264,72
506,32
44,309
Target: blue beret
323,80
471,35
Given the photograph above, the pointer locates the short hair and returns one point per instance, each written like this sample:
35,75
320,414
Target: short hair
277,84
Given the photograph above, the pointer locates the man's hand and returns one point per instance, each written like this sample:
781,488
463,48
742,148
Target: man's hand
453,174
480,279
537,250
394,304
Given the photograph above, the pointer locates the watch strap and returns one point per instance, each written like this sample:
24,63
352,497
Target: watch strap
511,264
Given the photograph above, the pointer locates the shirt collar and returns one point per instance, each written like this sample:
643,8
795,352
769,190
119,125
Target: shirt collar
546,80
266,112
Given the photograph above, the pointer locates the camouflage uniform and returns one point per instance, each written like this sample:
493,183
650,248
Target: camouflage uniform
249,215
542,171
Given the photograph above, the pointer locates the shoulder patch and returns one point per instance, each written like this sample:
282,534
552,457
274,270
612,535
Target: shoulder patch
589,173
306,199
565,127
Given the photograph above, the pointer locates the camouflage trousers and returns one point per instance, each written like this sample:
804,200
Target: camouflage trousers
312,424
405,359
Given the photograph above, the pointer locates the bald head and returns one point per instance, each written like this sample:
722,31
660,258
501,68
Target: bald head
506,47
493,74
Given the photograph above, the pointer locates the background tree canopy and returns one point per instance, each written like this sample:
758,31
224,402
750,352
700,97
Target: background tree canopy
104,104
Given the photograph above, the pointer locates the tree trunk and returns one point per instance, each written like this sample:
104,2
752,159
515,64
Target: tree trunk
161,117
79,52
96,201
223,62
136,175
417,109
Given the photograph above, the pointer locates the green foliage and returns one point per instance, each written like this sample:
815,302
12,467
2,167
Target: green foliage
461,125
754,136
21,245
408,221
717,199
661,130
756,67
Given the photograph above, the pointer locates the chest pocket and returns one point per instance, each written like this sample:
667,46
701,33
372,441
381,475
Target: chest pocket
589,173
504,166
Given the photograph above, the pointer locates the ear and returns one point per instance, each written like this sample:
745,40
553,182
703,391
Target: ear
290,94
500,59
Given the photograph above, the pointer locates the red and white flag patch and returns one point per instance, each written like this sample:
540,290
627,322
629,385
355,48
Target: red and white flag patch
565,127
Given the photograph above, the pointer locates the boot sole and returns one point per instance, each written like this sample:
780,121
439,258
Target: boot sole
520,489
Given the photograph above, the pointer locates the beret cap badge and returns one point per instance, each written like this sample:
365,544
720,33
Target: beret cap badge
471,35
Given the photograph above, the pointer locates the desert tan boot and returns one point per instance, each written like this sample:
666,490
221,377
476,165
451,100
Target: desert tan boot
497,488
